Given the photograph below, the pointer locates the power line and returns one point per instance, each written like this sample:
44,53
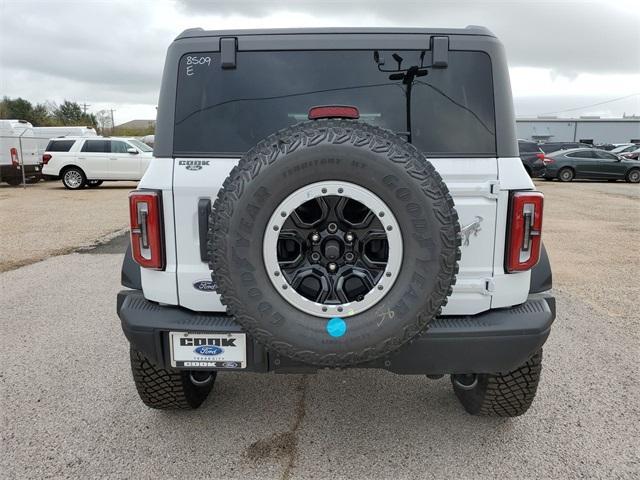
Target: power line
592,105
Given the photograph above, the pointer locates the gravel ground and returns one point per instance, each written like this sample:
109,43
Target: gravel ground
69,407
46,219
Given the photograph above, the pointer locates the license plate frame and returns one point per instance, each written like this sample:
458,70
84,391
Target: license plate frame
206,351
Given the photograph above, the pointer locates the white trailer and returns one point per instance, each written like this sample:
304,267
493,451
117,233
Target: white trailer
42,135
19,158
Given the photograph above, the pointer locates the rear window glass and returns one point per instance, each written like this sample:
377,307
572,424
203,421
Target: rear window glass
97,146
227,111
526,147
60,145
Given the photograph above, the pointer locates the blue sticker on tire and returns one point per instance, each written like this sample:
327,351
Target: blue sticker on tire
336,327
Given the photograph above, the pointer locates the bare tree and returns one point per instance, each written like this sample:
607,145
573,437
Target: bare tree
103,117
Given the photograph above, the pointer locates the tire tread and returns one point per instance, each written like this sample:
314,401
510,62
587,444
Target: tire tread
504,395
165,389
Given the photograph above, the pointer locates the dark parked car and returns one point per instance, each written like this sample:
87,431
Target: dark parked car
550,147
590,163
531,156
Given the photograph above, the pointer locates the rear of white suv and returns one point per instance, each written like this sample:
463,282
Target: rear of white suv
242,191
81,161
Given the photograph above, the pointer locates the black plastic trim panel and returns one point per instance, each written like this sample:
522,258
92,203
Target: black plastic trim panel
541,276
130,274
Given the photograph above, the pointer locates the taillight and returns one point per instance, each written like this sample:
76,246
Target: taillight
14,157
45,158
145,211
547,160
525,229
333,111
540,156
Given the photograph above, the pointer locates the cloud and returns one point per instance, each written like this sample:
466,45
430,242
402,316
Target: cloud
112,53
569,37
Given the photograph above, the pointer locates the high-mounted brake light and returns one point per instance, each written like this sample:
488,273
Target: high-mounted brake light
14,157
333,111
525,229
147,245
45,158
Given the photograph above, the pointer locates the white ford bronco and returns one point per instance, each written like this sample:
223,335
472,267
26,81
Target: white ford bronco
337,198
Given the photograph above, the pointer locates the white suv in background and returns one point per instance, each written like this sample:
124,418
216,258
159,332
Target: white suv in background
81,161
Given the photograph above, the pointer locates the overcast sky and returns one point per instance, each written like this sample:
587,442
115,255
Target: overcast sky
562,54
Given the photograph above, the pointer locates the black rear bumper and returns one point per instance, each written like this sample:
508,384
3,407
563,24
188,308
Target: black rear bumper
494,341
8,172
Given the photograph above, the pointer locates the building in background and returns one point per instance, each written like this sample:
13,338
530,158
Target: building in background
584,129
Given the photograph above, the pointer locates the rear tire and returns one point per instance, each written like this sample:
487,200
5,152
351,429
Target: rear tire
74,178
633,176
33,180
502,395
565,174
166,389
14,181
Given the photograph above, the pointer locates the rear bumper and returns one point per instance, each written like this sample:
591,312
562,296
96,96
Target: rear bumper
494,341
11,171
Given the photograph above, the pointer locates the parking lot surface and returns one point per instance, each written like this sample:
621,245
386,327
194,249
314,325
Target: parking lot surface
70,409
46,219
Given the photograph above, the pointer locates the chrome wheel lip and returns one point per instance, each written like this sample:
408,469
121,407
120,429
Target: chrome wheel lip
333,188
73,178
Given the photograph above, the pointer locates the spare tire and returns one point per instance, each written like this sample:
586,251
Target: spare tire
334,242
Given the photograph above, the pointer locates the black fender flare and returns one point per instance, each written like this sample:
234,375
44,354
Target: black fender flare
541,276
130,275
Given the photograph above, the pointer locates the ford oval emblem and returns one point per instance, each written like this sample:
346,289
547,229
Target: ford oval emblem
205,286
208,350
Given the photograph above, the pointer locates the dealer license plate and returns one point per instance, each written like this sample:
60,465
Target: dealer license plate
208,350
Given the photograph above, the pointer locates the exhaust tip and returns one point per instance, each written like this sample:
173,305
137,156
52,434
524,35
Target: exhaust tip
467,381
201,379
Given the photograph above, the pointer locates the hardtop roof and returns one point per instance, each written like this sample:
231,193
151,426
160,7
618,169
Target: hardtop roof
468,30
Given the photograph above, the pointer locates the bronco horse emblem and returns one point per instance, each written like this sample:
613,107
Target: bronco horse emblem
471,229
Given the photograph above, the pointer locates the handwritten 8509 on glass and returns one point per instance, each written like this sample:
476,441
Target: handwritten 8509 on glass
192,61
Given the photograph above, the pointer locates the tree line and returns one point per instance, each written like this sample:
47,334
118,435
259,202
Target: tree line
48,114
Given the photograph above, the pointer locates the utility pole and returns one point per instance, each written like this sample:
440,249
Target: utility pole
84,107
113,125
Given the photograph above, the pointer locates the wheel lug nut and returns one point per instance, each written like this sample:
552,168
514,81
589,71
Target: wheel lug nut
349,237
332,227
332,267
315,238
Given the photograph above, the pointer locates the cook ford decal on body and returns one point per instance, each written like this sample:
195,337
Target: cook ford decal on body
208,350
194,164
205,286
